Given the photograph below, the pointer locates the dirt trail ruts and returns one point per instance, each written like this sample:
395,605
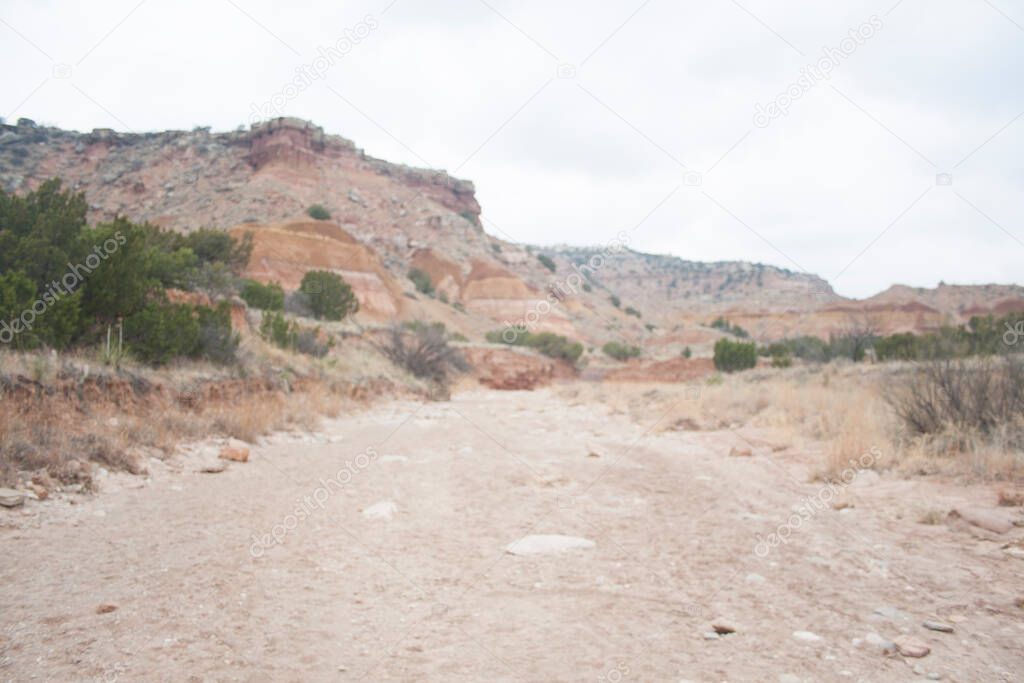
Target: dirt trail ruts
430,594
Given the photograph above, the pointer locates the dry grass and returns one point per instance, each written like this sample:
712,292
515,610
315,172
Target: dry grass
59,415
839,410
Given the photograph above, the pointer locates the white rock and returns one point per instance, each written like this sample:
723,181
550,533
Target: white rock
544,544
385,509
806,636
10,498
755,578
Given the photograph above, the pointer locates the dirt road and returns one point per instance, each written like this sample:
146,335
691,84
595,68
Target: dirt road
375,550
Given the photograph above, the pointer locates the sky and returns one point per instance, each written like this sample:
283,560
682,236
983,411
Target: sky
870,143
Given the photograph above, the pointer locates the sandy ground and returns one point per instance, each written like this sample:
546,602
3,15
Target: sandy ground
205,593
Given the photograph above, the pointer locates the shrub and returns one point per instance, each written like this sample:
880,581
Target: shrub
981,396
274,327
616,302
547,262
423,350
217,246
318,212
732,356
422,281
547,343
160,332
587,287
291,336
727,327
267,297
897,347
687,352
312,342
217,342
328,295
632,311
620,352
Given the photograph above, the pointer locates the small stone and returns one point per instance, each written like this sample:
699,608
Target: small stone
544,544
938,626
934,676
877,641
711,635
10,498
215,468
105,608
722,628
890,612
42,493
919,670
741,452
234,454
385,509
755,578
806,636
908,646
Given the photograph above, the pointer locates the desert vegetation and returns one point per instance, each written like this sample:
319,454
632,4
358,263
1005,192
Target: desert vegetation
621,351
421,280
547,343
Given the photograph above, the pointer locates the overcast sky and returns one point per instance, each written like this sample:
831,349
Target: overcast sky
579,119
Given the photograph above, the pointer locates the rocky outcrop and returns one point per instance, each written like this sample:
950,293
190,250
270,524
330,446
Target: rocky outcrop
512,369
284,253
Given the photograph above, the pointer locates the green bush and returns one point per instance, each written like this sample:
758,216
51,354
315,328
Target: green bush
422,281
687,352
328,295
547,262
632,311
217,246
218,343
87,278
547,343
291,336
266,297
160,332
275,329
318,212
616,302
733,356
727,327
620,352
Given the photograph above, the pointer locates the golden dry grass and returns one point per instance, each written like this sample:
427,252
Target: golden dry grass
59,414
839,410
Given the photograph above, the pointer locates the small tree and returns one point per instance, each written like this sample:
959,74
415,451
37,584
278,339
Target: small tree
547,262
267,297
732,356
328,295
318,212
